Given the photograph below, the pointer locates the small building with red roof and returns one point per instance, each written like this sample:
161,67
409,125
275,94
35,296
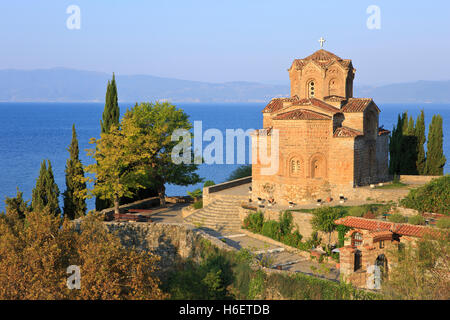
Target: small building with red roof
369,247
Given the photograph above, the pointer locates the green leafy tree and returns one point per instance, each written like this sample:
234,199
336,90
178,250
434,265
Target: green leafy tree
156,122
118,169
241,172
74,196
196,194
208,183
46,193
421,139
435,154
323,220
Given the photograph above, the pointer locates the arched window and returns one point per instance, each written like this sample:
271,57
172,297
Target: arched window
311,89
332,87
318,167
295,167
357,239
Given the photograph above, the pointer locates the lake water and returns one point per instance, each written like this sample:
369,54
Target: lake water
31,132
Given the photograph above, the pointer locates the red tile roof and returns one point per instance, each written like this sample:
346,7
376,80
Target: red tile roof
381,235
317,103
382,131
376,225
276,104
344,132
357,105
301,114
334,98
322,58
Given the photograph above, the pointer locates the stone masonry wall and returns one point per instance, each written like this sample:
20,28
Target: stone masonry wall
170,241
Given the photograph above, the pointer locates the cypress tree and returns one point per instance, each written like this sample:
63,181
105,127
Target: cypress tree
74,202
17,206
410,131
409,147
45,194
111,115
435,154
395,141
403,147
52,191
39,196
111,112
421,139
405,122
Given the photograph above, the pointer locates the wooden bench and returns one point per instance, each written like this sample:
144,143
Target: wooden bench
140,211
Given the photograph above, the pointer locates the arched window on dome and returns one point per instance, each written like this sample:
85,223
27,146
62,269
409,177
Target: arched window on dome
311,89
332,87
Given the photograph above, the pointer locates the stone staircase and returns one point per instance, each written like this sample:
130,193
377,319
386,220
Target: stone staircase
220,215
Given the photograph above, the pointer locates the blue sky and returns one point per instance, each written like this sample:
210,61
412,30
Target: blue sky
217,41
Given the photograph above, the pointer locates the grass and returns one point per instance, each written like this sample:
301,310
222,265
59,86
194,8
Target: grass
378,207
393,185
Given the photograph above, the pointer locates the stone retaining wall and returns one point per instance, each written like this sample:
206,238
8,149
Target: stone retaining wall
302,221
170,241
417,178
210,193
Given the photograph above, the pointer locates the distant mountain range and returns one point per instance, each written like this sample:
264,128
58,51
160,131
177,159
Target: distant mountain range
68,85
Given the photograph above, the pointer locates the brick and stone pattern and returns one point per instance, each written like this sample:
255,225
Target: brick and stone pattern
329,142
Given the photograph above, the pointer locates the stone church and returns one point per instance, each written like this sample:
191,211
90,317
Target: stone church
329,142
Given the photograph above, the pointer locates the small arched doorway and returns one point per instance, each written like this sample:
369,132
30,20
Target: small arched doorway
382,263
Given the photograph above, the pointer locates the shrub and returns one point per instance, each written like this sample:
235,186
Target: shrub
303,287
254,221
286,225
369,215
342,230
271,229
257,286
36,251
417,220
198,204
293,239
397,218
432,197
443,223
357,211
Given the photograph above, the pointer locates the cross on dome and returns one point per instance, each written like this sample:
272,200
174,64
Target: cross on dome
321,40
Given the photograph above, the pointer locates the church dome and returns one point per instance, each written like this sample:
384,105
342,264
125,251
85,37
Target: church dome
322,55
